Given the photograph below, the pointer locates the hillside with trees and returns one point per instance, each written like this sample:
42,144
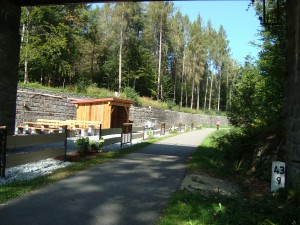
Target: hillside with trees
149,47
152,50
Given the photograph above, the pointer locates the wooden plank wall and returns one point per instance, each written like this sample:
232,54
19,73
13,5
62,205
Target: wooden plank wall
106,113
94,112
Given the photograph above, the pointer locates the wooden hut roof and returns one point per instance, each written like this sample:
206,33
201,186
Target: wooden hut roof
104,100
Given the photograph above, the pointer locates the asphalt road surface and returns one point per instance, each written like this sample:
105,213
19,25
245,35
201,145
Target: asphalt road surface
131,190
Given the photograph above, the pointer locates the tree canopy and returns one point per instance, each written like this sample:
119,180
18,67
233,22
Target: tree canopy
258,94
149,47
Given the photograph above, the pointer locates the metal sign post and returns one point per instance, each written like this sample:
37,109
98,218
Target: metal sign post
126,135
163,129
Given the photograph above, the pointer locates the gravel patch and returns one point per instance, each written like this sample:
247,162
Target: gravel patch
42,167
31,170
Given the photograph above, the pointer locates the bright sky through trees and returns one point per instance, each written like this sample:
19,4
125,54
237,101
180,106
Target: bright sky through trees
239,20
241,26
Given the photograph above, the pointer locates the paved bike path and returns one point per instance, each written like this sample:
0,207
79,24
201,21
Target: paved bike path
132,190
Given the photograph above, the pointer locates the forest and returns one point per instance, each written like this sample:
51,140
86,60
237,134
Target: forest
155,51
149,47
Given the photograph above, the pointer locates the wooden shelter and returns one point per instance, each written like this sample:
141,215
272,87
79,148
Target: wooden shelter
111,112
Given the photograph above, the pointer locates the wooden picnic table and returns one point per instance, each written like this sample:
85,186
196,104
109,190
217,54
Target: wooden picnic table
33,126
41,125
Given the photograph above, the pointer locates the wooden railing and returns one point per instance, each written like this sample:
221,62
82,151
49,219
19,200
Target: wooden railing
9,144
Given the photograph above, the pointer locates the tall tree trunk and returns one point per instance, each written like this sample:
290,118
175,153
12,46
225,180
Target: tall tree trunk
26,77
175,80
49,81
92,61
22,33
64,81
210,92
182,76
26,69
120,60
159,61
198,96
134,82
192,98
41,80
186,99
227,91
230,96
206,90
219,92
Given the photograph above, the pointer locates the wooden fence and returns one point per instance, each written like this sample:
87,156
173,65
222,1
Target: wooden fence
22,141
11,158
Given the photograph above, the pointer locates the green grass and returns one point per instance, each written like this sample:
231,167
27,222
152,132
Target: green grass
187,208
196,209
210,159
19,188
91,91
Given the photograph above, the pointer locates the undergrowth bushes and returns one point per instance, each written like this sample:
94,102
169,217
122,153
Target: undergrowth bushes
130,94
84,146
252,149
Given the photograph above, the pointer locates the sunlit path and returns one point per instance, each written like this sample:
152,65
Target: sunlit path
131,190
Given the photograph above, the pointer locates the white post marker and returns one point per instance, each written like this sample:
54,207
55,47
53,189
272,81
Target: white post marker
278,175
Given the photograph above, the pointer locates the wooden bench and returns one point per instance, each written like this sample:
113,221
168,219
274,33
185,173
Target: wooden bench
85,127
51,123
77,126
84,124
71,130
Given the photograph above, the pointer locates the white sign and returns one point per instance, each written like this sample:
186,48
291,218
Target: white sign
148,124
278,175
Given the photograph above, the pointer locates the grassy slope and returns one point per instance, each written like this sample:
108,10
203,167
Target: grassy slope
257,208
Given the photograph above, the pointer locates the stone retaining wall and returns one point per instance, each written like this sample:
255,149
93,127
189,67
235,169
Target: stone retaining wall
141,114
33,104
